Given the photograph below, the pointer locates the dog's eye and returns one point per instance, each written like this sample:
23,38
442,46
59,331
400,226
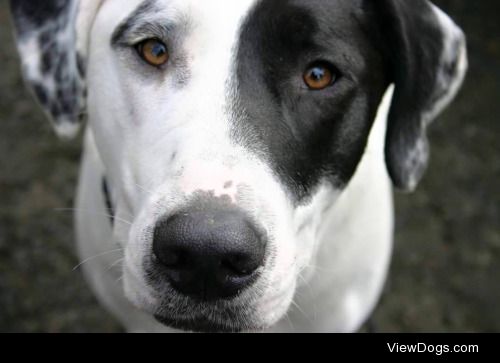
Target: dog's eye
153,52
319,76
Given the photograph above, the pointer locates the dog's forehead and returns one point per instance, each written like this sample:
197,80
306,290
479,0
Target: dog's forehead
221,14
206,17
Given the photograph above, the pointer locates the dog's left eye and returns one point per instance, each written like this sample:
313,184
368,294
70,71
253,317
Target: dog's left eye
153,52
319,76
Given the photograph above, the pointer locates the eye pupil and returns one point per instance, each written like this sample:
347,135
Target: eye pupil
318,73
153,52
158,50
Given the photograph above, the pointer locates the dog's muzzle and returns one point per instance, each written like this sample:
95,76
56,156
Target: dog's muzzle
208,252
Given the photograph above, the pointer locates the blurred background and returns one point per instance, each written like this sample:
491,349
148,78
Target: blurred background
445,272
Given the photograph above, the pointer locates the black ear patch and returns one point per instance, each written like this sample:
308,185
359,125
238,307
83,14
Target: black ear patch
47,44
426,58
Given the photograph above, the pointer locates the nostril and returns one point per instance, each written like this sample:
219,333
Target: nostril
172,257
239,265
175,258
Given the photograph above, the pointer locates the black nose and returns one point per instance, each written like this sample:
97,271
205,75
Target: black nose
209,254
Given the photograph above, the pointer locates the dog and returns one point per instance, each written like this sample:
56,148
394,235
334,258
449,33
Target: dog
240,156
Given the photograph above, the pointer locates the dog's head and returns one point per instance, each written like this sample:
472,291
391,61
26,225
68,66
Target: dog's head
227,128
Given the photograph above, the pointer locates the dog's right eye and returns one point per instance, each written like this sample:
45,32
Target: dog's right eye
153,51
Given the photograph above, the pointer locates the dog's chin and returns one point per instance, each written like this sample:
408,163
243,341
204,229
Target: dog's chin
204,325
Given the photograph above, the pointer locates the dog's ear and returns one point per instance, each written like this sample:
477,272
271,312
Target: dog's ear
52,39
426,59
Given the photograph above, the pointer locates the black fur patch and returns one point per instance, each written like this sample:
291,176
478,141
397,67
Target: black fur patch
308,135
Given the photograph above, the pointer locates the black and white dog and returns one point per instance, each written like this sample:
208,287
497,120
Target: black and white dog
246,150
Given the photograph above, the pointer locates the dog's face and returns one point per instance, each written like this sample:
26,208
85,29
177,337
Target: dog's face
229,128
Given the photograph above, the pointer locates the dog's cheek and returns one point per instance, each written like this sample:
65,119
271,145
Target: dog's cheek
137,294
308,221
136,287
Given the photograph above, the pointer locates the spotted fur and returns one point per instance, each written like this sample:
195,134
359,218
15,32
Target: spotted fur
53,68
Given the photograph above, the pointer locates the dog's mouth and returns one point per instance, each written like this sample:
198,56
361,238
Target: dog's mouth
187,314
223,316
219,316
200,325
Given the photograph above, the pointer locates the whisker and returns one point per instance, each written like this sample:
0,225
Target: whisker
143,189
303,279
96,256
287,315
117,262
318,268
307,283
301,310
308,286
118,219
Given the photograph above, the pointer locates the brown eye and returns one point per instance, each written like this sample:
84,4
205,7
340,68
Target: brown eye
154,52
319,76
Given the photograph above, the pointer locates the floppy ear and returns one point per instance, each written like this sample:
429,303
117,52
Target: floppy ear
52,39
426,59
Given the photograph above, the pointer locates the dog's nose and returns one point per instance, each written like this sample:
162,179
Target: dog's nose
209,255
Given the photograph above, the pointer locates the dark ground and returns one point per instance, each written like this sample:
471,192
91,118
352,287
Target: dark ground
445,274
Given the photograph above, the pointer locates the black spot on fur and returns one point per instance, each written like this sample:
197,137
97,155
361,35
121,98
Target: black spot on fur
41,94
61,70
46,38
37,13
55,109
66,104
46,63
80,65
